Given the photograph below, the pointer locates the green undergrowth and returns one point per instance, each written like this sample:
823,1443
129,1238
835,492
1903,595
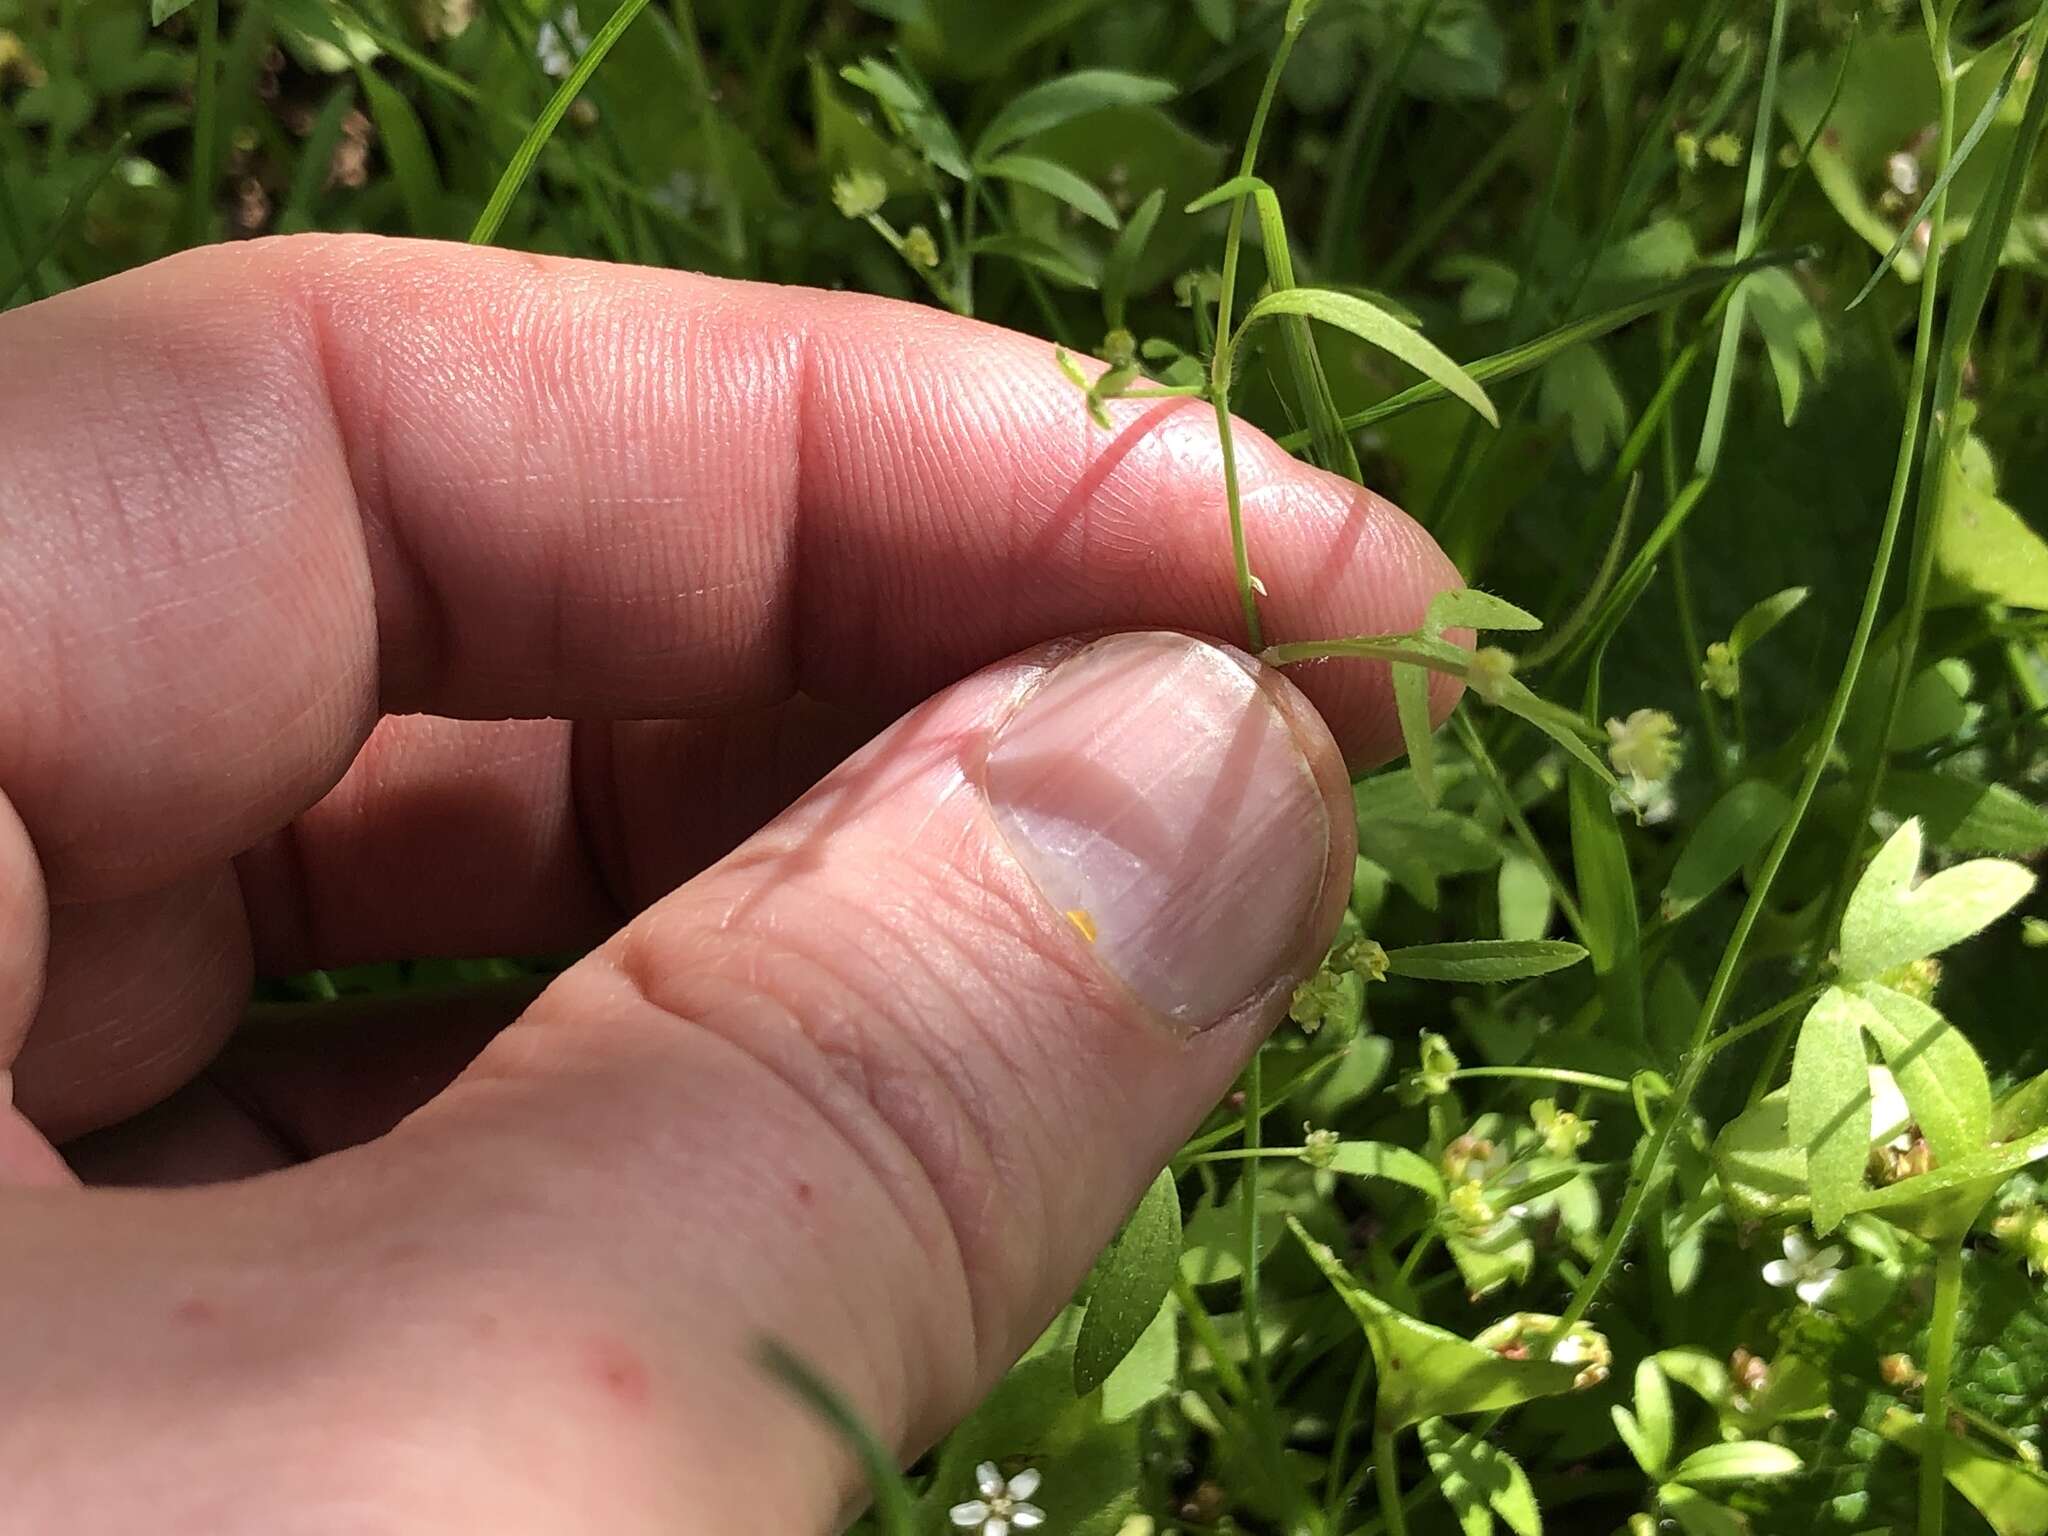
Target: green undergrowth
1657,1147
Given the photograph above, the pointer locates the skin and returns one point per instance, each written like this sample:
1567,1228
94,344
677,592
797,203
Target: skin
364,599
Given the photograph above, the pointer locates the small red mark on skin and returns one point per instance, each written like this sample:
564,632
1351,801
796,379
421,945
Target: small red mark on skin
621,1372
197,1312
805,1194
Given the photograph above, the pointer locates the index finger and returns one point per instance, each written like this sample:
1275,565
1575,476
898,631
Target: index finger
259,494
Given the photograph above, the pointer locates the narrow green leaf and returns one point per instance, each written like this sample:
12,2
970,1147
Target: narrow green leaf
1048,259
1229,191
1130,1284
1964,816
1524,897
1764,617
1654,1415
161,11
1381,1160
1938,1070
1978,1175
1983,120
1476,1476
520,166
1829,1108
1373,325
1054,101
2011,1495
1469,608
895,1511
1738,827
405,146
1123,257
1639,1444
1698,1515
2023,1111
1607,891
1555,721
1055,180
1890,920
74,210
1418,732
1425,1371
1483,959
1737,1461
922,122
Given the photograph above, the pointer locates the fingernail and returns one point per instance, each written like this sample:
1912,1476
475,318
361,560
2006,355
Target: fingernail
1160,799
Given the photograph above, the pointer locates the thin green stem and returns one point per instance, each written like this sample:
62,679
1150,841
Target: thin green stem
1941,1359
1564,1075
1248,1185
1347,1424
1388,1476
1764,1020
1504,797
1203,1327
205,114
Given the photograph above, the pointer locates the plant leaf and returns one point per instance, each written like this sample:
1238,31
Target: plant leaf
1469,608
1054,101
1829,1110
1653,1415
1890,920
895,1510
1375,326
1381,1160
161,11
1130,1284
1965,816
1055,180
1122,259
2010,1495
1425,1371
1763,617
922,122
1738,827
1524,898
1418,732
1938,1070
1737,1461
1050,260
1761,1167
1483,959
1476,1476
1698,1515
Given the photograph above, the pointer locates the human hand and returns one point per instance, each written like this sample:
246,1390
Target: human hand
310,552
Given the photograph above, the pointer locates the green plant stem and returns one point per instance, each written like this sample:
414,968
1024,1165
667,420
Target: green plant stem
1220,359
1564,1075
732,227
520,166
1388,1476
1248,1186
1770,1016
1941,1358
1340,1446
205,114
1697,1057
1203,1327
1504,797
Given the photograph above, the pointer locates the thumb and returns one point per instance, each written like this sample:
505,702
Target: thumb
881,1083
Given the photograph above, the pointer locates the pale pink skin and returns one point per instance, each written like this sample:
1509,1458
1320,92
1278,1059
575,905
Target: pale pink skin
286,529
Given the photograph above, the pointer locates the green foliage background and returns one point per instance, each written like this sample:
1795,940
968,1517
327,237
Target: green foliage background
1487,171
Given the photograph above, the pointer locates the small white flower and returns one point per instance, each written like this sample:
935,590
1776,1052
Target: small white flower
1001,1508
1903,172
558,45
1809,1271
1891,1118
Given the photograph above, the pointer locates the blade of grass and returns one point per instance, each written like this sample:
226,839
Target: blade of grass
521,164
74,209
205,113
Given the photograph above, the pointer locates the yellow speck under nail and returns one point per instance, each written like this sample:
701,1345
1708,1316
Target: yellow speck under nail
1079,917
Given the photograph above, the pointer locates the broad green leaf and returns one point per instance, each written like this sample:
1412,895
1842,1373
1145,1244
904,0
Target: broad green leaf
1054,101
1890,920
2023,1111
1795,343
1524,898
907,105
1579,389
1480,1480
1055,180
1829,1110
1965,816
1469,608
1374,325
1483,959
1763,617
1049,259
1123,256
1736,1461
1416,844
1418,731
1983,548
1698,1515
2010,1495
1938,1070
1738,827
1424,1371
1148,1372
1969,1181
1130,1284
1381,1160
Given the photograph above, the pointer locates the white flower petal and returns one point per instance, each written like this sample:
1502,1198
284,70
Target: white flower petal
989,1480
968,1515
1025,1483
1780,1272
1027,1517
996,1528
1811,1291
1797,1248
